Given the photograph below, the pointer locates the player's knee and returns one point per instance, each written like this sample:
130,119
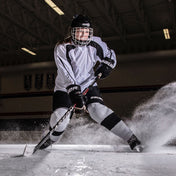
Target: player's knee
57,116
55,136
98,111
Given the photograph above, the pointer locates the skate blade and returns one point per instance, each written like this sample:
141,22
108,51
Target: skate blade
139,148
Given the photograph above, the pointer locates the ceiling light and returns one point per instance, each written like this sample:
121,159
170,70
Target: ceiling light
166,33
54,7
28,51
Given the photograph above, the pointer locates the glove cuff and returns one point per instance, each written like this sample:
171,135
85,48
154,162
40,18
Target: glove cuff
73,87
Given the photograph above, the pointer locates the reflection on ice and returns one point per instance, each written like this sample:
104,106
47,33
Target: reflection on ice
60,162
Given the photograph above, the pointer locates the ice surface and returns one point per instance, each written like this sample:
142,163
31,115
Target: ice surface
86,160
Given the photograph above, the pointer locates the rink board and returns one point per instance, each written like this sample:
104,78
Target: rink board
87,160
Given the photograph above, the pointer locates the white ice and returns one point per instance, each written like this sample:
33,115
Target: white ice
86,160
88,149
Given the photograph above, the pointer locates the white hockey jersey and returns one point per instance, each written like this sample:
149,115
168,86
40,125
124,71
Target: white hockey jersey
75,64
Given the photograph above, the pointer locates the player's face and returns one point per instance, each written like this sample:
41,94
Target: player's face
82,34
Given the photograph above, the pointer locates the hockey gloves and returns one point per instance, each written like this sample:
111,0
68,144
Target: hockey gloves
75,94
105,68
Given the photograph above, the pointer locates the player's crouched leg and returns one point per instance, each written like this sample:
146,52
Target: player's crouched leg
55,117
107,118
56,134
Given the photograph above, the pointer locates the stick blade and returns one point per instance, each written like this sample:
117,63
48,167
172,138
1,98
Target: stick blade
27,151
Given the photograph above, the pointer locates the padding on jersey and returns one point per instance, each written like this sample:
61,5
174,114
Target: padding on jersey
98,111
56,116
110,121
61,99
117,126
93,96
122,130
56,133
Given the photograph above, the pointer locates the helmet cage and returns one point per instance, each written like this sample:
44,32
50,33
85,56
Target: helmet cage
81,42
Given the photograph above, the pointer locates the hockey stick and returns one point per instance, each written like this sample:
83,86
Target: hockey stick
63,117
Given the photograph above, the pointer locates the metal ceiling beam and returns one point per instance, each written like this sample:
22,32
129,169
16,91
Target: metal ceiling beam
21,26
117,20
3,46
37,14
4,32
106,8
89,8
107,39
11,38
141,16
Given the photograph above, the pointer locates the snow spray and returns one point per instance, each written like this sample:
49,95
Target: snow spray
84,130
154,122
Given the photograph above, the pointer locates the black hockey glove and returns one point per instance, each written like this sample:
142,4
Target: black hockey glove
105,68
76,96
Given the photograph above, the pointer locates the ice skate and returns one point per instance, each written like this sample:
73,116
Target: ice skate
135,144
46,144
138,148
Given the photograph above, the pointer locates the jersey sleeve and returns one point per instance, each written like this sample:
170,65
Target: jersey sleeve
109,56
64,69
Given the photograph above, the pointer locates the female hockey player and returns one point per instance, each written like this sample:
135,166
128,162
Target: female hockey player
75,59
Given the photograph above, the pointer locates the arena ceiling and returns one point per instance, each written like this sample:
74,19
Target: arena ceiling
128,26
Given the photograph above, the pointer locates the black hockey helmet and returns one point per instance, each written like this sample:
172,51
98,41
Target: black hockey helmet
81,21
